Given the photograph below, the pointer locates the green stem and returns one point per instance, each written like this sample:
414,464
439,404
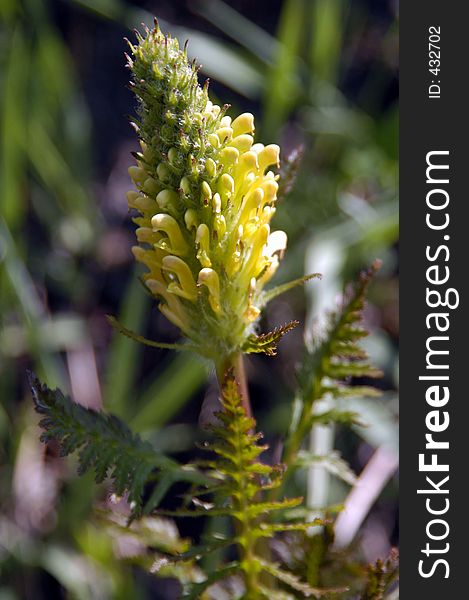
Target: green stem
235,364
296,437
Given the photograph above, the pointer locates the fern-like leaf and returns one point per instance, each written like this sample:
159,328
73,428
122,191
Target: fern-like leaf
338,355
381,576
295,582
136,337
285,287
106,445
327,370
267,342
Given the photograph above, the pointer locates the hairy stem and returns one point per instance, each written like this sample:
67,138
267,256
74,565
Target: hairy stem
235,364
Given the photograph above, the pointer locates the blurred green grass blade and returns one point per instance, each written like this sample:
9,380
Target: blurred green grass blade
221,62
239,28
13,129
54,171
124,353
282,88
326,38
8,8
58,104
55,68
22,285
169,392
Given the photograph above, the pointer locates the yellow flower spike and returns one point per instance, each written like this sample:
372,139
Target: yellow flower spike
209,278
167,199
242,142
190,218
224,134
169,226
243,124
186,287
137,175
205,199
270,155
202,240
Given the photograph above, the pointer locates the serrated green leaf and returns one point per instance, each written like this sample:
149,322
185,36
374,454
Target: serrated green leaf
332,462
136,337
193,591
345,417
285,287
266,343
295,582
105,444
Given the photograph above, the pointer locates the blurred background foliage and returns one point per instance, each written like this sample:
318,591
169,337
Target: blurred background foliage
321,78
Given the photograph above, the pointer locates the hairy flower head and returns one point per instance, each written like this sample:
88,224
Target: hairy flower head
205,196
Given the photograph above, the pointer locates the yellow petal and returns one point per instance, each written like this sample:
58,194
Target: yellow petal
243,124
270,155
169,225
186,288
242,142
202,240
209,278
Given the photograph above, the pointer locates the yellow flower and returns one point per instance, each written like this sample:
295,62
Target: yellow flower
205,196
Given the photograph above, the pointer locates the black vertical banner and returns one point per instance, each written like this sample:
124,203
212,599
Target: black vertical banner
434,258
